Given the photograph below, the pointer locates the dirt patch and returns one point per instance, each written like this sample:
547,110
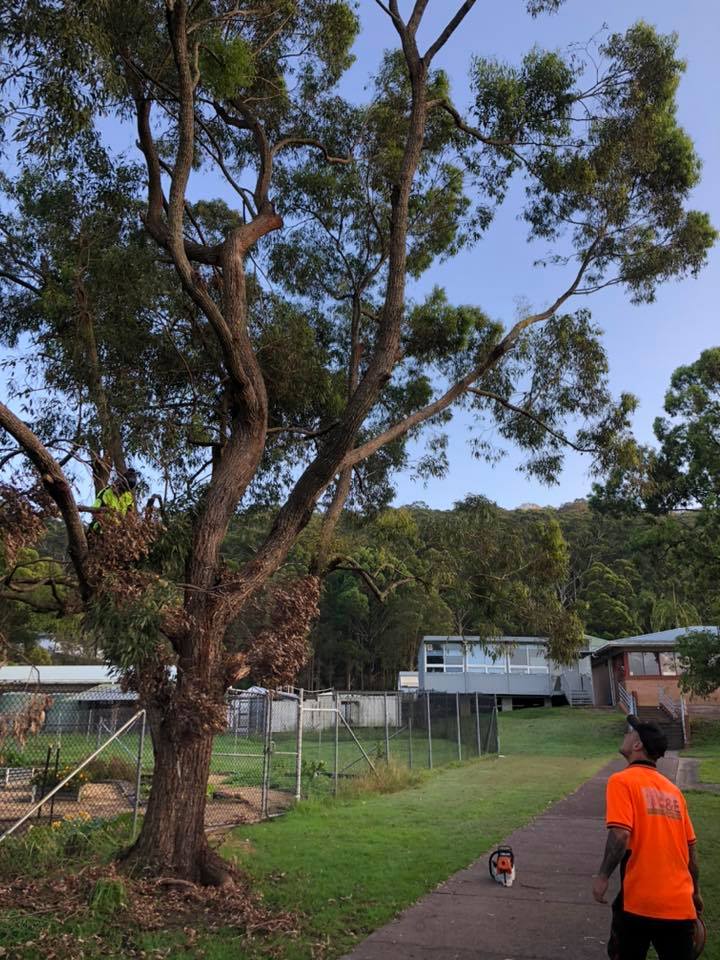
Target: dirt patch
102,801
235,804
96,800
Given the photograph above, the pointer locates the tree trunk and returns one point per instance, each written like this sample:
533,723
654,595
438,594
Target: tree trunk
172,841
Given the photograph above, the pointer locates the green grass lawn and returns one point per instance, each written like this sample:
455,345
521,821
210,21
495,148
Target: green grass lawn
348,866
705,744
705,814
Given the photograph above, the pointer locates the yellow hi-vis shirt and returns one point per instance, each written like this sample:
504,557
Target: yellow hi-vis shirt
111,501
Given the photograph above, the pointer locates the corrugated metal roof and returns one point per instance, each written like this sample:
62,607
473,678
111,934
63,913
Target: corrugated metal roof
93,673
489,640
110,692
666,639
592,643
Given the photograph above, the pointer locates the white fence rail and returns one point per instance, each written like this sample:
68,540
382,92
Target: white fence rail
668,704
626,699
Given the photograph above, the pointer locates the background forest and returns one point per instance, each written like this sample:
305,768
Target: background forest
473,569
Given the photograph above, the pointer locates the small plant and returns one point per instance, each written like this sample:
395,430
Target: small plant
387,778
313,768
10,757
51,777
210,791
108,897
48,846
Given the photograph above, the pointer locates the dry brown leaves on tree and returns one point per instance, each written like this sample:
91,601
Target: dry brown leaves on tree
26,721
119,545
278,653
149,905
23,518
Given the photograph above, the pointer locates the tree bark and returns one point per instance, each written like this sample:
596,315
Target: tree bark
172,840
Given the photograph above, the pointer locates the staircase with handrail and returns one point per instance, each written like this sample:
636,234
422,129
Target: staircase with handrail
626,699
576,696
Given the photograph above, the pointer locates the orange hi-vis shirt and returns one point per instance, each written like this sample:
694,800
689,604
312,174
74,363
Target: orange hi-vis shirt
656,880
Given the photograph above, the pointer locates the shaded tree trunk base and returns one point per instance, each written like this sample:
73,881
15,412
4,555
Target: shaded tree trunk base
207,868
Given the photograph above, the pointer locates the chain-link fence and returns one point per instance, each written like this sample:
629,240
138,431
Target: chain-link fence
97,746
346,734
276,748
99,739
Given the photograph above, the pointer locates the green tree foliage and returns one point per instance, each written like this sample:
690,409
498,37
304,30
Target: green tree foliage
700,652
672,490
683,470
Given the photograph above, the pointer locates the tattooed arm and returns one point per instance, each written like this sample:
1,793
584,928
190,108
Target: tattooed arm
694,868
617,842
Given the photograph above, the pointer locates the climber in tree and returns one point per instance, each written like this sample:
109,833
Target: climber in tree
117,497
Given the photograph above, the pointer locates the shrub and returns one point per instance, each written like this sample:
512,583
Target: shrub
111,768
10,757
49,846
387,778
51,778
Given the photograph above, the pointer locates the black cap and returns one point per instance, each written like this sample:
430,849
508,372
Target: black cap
652,737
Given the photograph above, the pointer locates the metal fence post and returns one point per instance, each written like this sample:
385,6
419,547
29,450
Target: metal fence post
387,731
266,757
337,733
410,743
298,747
497,728
429,726
459,735
138,775
477,726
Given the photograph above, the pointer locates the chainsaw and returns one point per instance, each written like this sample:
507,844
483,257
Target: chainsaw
502,866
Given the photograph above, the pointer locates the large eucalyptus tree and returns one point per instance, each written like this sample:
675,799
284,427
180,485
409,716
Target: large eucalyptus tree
227,385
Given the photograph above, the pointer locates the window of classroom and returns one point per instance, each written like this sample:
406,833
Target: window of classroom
480,660
644,664
668,665
443,657
537,660
454,658
434,658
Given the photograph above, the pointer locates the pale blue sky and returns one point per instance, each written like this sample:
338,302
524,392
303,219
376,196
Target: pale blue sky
645,344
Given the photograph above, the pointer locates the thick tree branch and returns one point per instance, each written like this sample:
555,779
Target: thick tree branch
416,15
298,509
449,30
155,214
37,605
187,81
14,278
463,385
352,566
57,486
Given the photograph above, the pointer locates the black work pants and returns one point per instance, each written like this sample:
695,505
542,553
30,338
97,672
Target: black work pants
631,936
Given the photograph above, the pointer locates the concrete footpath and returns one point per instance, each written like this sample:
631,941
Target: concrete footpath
549,911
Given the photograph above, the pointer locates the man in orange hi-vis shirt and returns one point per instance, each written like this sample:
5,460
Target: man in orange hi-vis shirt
652,839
